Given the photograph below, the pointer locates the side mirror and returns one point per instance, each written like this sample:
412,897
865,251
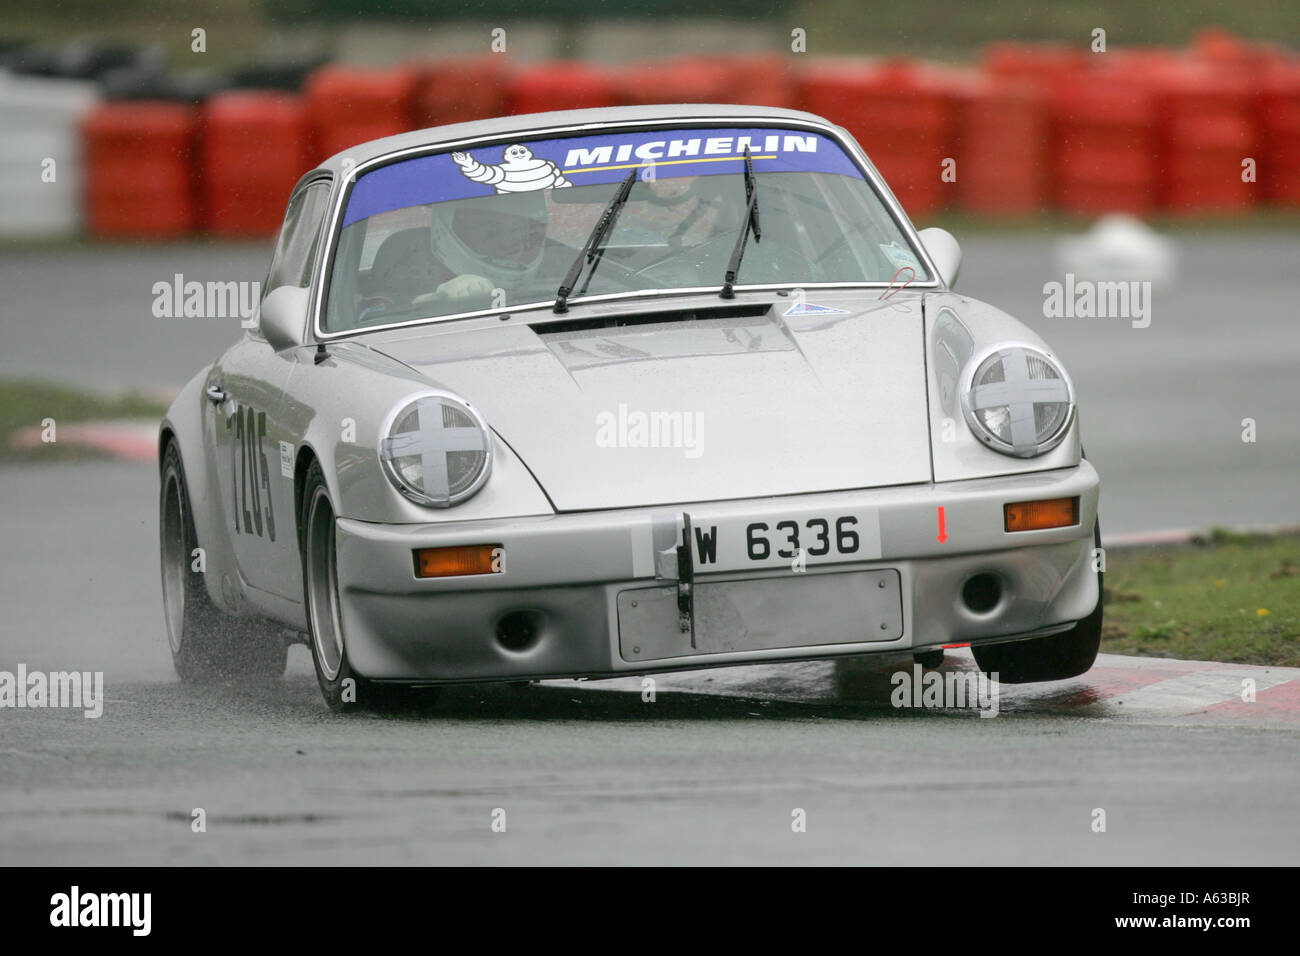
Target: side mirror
284,317
945,251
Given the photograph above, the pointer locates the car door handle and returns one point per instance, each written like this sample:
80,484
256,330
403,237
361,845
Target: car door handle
216,395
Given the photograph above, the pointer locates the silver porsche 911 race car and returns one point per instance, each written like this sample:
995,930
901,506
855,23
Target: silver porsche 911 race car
617,391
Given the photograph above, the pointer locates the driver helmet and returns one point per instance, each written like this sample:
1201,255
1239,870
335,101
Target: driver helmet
498,237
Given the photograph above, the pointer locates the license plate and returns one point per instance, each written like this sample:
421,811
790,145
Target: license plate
794,540
772,613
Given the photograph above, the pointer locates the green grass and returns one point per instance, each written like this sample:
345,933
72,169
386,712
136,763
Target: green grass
27,404
1230,597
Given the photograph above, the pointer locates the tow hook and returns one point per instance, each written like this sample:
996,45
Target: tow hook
686,582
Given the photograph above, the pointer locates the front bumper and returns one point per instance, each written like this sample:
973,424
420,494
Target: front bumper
566,573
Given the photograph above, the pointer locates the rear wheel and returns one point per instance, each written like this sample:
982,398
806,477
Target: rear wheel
343,688
206,644
1057,657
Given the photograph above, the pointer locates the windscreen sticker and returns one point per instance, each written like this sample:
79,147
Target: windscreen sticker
807,308
529,165
899,256
519,171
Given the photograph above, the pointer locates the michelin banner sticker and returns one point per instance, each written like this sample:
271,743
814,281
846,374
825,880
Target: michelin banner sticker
520,171
589,160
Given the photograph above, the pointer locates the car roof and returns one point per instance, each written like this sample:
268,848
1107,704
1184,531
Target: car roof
531,122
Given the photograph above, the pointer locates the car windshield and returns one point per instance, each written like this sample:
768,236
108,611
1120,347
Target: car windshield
498,227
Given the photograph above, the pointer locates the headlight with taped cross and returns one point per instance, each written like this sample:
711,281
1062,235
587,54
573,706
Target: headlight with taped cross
1018,401
437,450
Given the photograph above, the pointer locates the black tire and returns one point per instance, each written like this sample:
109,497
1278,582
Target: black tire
343,688
206,644
1057,657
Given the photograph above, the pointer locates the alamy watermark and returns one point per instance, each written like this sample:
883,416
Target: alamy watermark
78,690
630,428
75,908
180,299
953,689
1087,299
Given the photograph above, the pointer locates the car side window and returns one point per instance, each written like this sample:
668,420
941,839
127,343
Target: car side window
295,251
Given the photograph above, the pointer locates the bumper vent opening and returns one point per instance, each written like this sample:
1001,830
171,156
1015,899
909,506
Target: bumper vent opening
982,592
519,630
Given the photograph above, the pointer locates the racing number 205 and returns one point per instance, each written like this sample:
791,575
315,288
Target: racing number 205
818,538
253,481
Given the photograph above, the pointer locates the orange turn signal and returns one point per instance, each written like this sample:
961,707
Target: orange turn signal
1037,515
451,562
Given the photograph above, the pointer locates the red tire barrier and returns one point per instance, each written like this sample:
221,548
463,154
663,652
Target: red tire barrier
348,106
903,115
1205,129
1278,168
680,80
762,79
1102,148
254,151
1219,48
1002,151
558,86
1048,66
461,89
753,79
139,161
1273,78
1133,129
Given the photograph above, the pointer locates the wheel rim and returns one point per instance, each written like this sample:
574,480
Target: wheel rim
174,560
322,586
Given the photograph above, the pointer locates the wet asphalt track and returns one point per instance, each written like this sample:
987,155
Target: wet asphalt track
711,771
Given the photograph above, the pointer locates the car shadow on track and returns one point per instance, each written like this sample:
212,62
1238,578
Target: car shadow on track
854,689
298,697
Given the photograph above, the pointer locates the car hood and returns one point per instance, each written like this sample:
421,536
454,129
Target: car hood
768,396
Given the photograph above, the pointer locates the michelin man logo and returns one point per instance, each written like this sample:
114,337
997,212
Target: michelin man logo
519,172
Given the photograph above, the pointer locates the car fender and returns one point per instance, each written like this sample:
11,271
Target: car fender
957,329
341,408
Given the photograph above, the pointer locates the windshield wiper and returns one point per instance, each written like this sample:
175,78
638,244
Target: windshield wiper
589,250
751,224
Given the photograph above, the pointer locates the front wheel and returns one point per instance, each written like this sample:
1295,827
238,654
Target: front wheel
343,688
1056,657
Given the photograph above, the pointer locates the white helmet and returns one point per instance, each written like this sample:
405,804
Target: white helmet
498,237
